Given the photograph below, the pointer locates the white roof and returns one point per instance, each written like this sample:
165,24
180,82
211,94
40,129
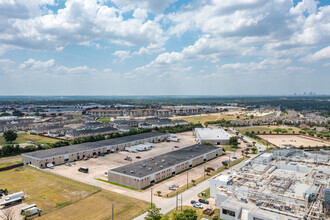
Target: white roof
212,133
266,155
224,178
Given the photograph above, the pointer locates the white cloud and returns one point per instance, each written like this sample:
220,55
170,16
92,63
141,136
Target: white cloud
80,22
153,6
321,55
122,55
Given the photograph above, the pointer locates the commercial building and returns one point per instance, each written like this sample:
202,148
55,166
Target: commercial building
217,136
282,184
90,132
143,173
61,155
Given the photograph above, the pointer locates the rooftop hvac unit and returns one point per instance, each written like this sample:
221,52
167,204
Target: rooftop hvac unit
163,160
161,166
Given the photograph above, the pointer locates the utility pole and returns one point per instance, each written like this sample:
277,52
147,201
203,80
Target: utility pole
181,201
113,208
151,197
176,201
204,173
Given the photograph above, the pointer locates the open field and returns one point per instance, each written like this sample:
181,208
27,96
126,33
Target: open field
25,137
99,206
267,129
60,197
294,140
199,212
211,117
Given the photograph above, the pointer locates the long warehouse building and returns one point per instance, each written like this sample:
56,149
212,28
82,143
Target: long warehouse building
65,154
146,172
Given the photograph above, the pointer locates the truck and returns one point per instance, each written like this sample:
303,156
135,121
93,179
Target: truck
14,196
83,169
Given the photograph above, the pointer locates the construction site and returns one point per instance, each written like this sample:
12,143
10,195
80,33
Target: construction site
280,184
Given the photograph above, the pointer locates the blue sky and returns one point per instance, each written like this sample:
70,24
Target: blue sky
165,47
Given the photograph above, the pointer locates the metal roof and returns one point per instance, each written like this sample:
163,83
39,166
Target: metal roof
164,161
42,154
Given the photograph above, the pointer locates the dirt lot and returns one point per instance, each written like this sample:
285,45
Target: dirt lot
13,211
294,140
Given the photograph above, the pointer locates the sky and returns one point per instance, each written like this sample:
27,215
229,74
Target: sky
164,47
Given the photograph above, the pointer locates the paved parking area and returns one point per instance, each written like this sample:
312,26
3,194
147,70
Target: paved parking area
98,166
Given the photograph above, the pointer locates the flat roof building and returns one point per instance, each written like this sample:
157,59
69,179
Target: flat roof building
143,173
61,155
215,136
282,184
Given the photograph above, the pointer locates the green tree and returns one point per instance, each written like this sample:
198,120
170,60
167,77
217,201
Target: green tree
10,136
187,214
193,182
233,141
153,213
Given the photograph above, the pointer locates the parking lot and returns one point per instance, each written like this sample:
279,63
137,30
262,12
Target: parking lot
99,166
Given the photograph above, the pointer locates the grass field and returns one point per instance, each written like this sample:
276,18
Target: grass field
25,137
59,197
99,206
199,212
229,148
205,118
9,163
104,120
267,129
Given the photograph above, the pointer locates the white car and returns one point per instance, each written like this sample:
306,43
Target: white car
198,205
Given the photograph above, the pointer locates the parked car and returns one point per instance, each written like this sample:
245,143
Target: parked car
73,163
171,188
175,185
68,164
198,205
210,169
203,201
176,147
83,169
192,201
138,157
235,158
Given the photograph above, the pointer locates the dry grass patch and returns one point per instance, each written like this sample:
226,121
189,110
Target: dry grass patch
99,206
25,137
46,190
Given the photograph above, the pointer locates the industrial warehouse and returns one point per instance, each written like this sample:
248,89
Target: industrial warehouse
217,136
56,156
143,173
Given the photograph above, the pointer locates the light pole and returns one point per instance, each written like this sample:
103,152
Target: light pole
151,197
187,179
113,208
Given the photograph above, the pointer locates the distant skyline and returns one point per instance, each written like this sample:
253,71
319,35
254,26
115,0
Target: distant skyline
168,47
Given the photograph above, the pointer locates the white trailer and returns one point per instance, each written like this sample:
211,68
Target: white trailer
31,211
15,195
173,139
